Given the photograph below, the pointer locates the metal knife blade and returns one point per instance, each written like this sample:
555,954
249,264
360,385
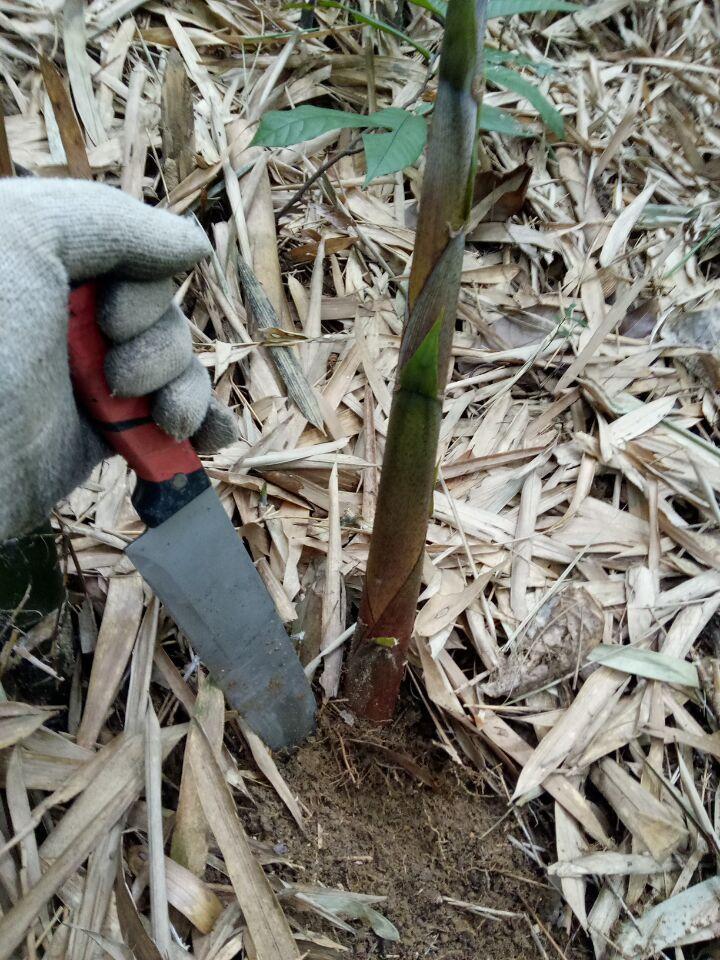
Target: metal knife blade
200,569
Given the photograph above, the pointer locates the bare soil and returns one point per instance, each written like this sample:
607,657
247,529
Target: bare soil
390,814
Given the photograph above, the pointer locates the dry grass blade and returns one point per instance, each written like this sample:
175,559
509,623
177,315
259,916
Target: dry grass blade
189,846
6,164
18,721
266,764
108,801
299,389
70,133
266,923
114,645
159,914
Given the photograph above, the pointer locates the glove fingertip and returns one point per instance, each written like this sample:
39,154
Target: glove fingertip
181,406
186,244
219,429
129,308
151,360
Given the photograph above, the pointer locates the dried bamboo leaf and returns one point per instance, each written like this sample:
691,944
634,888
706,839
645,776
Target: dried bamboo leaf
70,133
267,926
18,728
570,844
660,830
646,663
114,644
178,122
131,925
585,715
6,165
193,898
263,758
125,773
621,229
690,917
70,849
610,864
299,389
74,40
159,913
189,846
333,607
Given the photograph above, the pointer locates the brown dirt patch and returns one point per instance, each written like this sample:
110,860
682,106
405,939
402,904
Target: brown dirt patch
374,827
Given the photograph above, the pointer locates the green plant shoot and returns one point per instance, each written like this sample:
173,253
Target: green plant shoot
392,582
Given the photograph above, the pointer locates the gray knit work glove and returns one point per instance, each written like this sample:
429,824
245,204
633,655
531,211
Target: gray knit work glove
53,232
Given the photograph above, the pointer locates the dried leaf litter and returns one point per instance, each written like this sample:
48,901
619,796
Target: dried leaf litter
576,508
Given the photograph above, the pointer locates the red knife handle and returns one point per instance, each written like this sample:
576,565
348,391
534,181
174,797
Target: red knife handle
169,473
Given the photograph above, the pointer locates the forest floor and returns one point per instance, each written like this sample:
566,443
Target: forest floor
549,788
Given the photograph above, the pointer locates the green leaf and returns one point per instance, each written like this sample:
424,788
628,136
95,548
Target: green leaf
374,22
390,117
504,77
390,152
646,663
542,67
503,8
508,8
385,152
420,374
283,128
500,121
438,7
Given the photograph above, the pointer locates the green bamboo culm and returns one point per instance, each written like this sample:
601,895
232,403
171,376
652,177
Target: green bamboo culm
392,583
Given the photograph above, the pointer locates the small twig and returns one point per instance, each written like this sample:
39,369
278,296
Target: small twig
298,195
15,634
560,952
6,164
312,666
346,761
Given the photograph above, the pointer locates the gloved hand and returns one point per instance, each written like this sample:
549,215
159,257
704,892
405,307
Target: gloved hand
53,232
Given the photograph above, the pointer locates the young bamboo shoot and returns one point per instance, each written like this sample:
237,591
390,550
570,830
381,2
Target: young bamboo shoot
392,583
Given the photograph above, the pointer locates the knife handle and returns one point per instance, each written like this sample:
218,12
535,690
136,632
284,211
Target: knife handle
169,473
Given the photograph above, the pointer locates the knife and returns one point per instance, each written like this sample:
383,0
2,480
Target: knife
190,555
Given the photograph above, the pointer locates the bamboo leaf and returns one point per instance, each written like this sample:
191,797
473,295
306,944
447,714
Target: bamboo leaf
393,151
191,896
189,846
385,152
438,7
266,923
510,8
504,77
299,389
495,120
283,128
14,729
340,903
542,67
689,917
374,22
503,8
646,663
391,117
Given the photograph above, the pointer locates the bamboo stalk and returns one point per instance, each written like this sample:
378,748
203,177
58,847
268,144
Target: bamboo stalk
392,584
